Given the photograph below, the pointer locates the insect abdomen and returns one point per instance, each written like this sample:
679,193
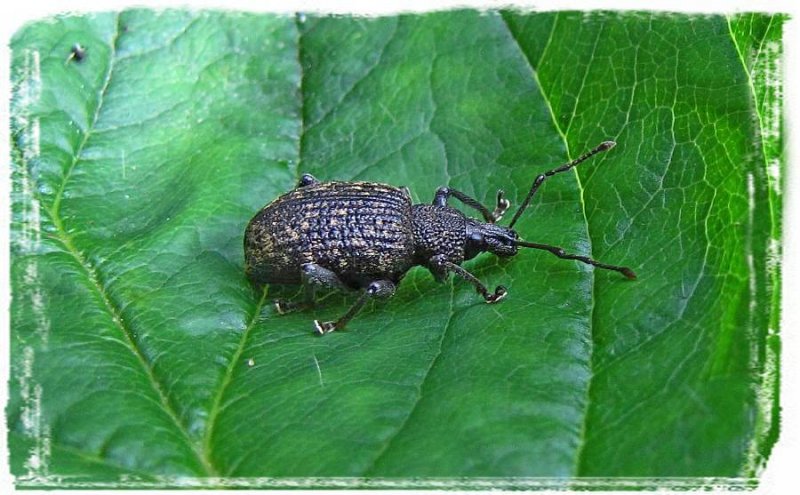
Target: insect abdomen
361,231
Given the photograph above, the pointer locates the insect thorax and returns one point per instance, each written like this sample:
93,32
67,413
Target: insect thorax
438,230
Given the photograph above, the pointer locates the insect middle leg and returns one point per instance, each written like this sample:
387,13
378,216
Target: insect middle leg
312,276
283,306
441,267
502,205
379,288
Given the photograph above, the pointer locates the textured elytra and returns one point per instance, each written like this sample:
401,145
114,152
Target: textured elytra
360,230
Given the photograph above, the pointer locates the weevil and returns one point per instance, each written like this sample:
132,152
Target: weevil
365,236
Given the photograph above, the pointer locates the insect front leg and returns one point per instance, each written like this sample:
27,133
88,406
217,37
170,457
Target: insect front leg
379,288
440,267
502,205
283,306
537,182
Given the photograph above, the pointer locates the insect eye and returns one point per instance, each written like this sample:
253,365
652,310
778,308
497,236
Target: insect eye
476,237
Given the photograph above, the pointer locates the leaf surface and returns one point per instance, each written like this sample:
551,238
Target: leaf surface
142,356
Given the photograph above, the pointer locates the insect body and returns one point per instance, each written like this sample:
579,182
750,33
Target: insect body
365,236
77,53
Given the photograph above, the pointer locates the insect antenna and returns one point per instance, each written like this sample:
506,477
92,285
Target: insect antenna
629,274
604,146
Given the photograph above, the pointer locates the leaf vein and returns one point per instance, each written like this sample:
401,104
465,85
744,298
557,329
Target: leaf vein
101,96
349,91
92,273
751,85
88,457
420,394
591,320
216,407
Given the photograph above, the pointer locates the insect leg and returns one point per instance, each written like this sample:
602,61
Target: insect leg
318,276
379,288
604,146
440,267
312,276
585,259
444,193
283,306
307,180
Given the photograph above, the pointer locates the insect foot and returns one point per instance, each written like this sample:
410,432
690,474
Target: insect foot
500,293
321,328
376,289
282,306
502,206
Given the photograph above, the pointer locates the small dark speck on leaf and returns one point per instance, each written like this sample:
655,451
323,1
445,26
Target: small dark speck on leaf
77,53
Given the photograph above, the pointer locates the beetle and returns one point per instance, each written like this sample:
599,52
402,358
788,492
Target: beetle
365,236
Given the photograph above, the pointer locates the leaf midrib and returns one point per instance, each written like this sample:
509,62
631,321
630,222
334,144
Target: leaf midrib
216,404
387,444
420,388
578,462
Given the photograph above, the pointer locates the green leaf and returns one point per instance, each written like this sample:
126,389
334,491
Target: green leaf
142,357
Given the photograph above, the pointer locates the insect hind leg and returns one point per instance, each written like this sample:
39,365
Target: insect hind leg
317,276
377,289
